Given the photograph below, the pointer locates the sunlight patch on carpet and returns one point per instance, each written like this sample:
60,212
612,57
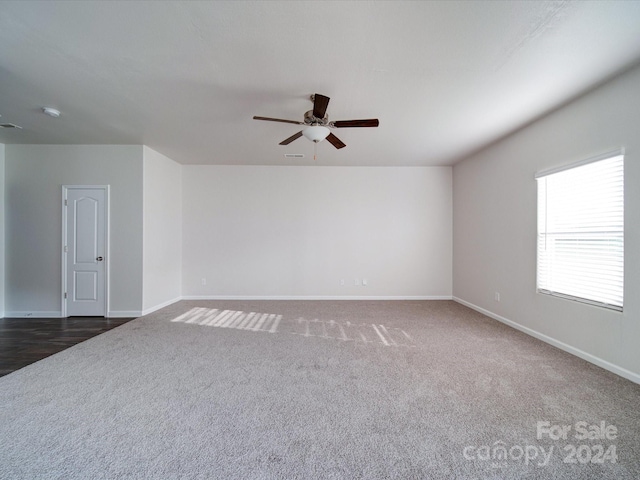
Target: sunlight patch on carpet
367,333
212,317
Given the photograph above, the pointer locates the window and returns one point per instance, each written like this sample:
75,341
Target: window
581,231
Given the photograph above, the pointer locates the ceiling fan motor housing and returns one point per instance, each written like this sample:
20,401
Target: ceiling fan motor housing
309,119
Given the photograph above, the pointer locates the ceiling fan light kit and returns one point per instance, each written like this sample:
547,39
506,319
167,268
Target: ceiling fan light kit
316,133
317,124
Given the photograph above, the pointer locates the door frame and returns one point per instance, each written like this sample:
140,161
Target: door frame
107,225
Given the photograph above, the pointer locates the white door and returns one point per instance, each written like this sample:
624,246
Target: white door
85,251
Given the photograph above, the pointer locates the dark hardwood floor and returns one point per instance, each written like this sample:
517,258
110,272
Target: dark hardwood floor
26,340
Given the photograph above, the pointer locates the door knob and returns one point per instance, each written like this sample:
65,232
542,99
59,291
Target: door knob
99,259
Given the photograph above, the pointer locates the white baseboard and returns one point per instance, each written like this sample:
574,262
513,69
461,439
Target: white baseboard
618,370
147,311
311,297
124,313
34,314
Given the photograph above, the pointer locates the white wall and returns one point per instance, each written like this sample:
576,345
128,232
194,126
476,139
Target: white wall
1,230
162,244
495,225
34,175
297,231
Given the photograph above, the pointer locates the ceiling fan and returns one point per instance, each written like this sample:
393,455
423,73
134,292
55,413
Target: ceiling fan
317,123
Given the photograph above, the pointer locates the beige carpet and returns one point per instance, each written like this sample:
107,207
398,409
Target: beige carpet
317,390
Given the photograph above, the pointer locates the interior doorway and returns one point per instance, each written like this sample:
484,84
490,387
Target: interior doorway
85,246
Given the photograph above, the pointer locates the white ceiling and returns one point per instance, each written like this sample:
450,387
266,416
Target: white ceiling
185,78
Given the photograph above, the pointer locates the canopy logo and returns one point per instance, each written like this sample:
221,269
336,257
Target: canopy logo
499,454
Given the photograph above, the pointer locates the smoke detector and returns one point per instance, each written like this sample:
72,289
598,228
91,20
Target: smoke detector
52,112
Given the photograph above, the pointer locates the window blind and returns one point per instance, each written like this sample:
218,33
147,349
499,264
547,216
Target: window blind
581,233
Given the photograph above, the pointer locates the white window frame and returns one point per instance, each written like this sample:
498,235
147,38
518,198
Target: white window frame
554,280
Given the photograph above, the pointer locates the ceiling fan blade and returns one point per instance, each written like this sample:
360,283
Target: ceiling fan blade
371,122
320,104
278,120
335,141
291,138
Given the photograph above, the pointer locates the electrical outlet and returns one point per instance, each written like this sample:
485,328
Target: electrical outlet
204,281
342,282
356,282
364,282
496,297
